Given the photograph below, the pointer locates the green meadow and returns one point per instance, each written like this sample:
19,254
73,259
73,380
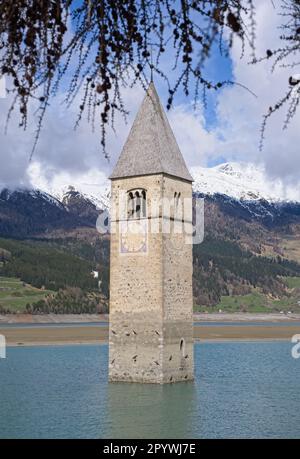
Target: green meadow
15,294
258,302
292,282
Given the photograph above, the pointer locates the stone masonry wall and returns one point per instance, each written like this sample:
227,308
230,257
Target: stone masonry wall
150,336
178,359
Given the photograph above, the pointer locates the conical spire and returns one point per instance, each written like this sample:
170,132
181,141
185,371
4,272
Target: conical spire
151,147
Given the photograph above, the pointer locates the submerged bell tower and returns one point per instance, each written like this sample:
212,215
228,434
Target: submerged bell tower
151,302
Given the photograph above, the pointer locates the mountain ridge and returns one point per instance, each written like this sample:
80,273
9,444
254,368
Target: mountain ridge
251,244
232,186
240,180
243,181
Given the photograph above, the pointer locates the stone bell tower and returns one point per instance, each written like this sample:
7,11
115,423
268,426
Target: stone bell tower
151,302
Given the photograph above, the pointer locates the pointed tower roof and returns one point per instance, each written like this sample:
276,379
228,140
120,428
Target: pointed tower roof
151,147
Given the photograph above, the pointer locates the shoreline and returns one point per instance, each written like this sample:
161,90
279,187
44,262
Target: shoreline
90,318
245,317
40,336
103,343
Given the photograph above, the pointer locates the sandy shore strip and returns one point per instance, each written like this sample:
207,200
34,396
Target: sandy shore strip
90,318
246,317
98,335
52,318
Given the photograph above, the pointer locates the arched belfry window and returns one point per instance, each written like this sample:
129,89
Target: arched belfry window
136,203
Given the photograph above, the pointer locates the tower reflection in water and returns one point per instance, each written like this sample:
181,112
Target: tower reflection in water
151,411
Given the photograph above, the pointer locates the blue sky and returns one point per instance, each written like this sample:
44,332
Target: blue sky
217,68
228,130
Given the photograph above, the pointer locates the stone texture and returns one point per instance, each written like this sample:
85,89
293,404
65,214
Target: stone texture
151,303
151,331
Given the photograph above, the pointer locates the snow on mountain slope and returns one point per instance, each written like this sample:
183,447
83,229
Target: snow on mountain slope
92,185
100,199
242,191
35,194
242,181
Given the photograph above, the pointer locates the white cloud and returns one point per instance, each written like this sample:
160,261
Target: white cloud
13,147
195,142
2,87
65,156
93,182
240,114
62,153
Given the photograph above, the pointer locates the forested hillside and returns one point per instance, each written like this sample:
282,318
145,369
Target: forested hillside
52,267
248,249
41,265
222,268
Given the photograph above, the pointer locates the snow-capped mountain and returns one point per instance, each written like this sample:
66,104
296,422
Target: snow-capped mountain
241,191
25,212
66,194
242,181
39,196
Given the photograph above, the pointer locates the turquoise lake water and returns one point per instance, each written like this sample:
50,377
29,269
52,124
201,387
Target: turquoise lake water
241,390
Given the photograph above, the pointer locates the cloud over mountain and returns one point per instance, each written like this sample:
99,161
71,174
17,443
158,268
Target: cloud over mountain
65,155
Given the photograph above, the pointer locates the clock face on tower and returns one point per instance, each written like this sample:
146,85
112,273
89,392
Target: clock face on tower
133,236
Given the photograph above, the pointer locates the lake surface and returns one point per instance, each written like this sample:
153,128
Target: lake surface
241,389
